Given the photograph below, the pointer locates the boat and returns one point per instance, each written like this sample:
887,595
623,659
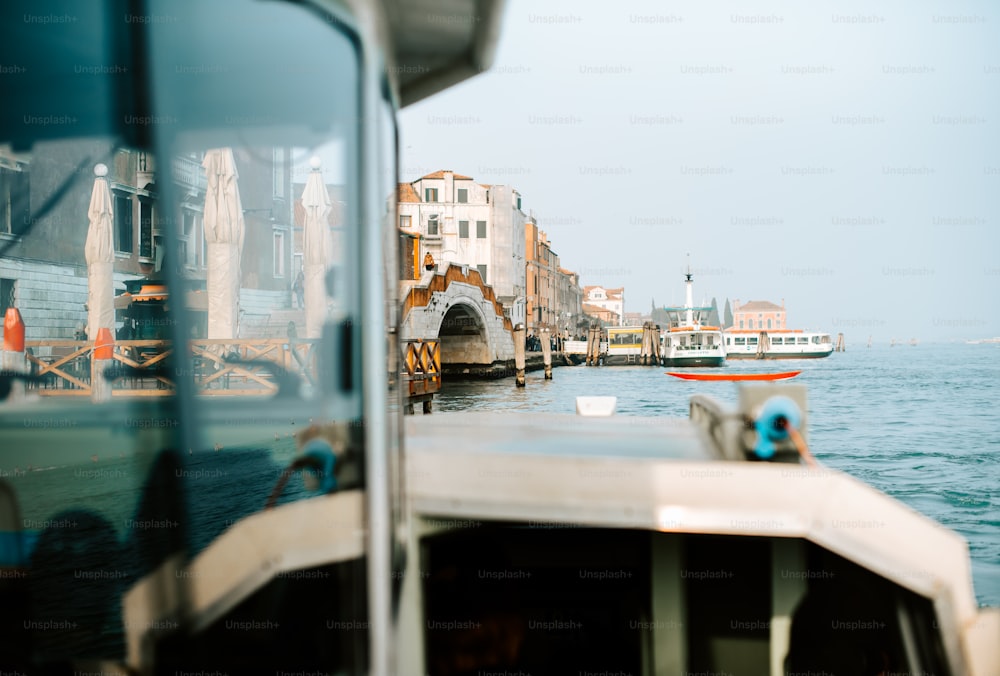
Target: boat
777,344
445,544
623,346
688,340
784,375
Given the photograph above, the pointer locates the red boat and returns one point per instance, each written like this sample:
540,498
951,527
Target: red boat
784,375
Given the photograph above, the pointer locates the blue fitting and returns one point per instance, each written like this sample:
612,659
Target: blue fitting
319,474
776,416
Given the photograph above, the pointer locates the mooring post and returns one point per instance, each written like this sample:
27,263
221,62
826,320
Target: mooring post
593,345
547,353
519,355
12,356
104,347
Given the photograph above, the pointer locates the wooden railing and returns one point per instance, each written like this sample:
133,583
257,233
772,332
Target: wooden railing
221,366
421,372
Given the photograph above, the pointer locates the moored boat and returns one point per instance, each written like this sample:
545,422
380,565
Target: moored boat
624,345
777,344
689,340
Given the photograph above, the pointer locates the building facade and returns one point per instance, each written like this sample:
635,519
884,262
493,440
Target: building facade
758,315
611,301
454,219
45,276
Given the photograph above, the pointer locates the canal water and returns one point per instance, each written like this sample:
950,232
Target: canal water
920,423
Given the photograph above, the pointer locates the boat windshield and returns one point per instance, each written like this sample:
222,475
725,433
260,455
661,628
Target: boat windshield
178,216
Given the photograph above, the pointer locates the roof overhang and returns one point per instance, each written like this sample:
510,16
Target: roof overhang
439,43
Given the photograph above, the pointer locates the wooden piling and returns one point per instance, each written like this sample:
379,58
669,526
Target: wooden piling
593,346
519,336
841,347
547,353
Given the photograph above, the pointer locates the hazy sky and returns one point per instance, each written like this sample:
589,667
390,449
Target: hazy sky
844,157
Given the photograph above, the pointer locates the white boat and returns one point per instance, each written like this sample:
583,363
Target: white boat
687,339
777,344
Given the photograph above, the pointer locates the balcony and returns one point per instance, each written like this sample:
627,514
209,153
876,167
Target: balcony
189,174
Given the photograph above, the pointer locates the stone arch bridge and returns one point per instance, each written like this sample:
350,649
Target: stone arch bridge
453,305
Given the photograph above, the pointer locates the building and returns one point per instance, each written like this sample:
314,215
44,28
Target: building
603,316
555,299
456,220
758,315
569,302
637,318
610,300
45,276
541,266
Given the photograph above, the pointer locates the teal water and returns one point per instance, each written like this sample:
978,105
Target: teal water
921,424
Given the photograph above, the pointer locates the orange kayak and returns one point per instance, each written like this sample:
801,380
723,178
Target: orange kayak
735,376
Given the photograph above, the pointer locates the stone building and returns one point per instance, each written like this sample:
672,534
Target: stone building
758,315
457,220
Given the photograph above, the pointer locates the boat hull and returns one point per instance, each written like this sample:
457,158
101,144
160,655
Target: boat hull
694,361
785,375
780,355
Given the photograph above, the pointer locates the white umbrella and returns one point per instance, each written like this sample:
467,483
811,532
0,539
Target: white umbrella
224,235
100,253
316,247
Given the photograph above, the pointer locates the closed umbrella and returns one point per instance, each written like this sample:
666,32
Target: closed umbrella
224,230
100,254
316,247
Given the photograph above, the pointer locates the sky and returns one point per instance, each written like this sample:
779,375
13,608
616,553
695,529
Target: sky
841,157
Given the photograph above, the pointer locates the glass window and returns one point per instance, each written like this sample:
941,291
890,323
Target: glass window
463,195
279,254
15,207
463,229
432,225
145,229
190,428
123,223
482,273
430,195
481,229
404,221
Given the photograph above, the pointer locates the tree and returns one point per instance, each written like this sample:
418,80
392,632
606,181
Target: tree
727,315
713,314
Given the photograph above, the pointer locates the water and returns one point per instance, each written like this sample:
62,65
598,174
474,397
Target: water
921,424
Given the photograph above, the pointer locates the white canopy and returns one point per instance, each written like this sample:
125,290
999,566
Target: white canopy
100,254
224,228
316,249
